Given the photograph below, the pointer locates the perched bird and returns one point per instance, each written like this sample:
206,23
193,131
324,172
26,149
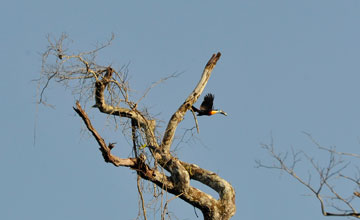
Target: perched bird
206,107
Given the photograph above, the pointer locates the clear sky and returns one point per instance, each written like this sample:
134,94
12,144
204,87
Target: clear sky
287,66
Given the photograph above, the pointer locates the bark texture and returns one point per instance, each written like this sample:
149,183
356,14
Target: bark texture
178,182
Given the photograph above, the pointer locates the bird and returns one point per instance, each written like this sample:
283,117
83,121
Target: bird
206,107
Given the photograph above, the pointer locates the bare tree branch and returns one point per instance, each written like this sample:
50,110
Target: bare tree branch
196,122
105,149
110,90
141,197
178,116
325,190
166,205
135,163
330,150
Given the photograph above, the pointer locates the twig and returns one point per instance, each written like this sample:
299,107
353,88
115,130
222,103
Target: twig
330,150
134,136
325,174
166,204
196,122
155,84
141,197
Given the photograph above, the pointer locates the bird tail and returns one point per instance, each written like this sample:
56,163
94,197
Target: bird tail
195,109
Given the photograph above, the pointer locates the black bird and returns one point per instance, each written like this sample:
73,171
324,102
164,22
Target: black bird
206,107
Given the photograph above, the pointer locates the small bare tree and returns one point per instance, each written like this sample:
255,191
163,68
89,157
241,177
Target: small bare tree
152,155
332,182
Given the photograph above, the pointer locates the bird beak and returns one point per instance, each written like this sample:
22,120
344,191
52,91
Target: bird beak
224,113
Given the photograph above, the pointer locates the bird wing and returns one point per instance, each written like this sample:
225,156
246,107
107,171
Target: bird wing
207,104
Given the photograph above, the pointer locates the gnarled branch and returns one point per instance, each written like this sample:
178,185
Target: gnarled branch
137,164
111,91
178,116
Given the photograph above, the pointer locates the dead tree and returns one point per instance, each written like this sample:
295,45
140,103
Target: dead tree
332,181
109,89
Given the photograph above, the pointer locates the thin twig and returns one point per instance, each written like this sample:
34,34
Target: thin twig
166,204
325,175
141,197
196,122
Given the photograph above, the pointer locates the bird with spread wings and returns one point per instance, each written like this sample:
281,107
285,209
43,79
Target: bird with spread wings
207,108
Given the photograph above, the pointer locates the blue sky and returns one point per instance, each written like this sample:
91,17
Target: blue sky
287,67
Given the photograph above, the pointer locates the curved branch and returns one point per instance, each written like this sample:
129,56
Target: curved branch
148,125
105,149
182,172
88,74
222,187
137,164
178,116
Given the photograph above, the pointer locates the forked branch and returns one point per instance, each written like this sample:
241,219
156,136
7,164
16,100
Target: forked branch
178,116
324,190
137,164
105,149
111,98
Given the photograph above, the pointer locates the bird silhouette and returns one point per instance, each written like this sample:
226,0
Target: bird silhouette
206,107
